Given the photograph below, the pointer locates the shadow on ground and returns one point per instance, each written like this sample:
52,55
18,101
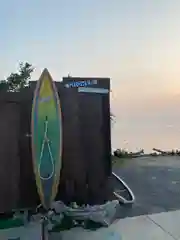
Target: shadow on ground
155,183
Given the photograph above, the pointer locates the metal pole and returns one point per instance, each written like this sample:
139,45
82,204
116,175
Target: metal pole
44,231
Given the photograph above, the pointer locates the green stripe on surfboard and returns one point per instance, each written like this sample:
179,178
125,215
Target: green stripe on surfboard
46,120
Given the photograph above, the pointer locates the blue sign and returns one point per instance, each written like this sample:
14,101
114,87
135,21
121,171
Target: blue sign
84,83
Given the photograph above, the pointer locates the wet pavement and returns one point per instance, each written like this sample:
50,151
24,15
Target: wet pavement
155,183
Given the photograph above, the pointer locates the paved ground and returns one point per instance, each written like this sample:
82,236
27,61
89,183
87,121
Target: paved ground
155,183
162,226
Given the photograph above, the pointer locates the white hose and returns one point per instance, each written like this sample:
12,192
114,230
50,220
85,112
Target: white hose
126,187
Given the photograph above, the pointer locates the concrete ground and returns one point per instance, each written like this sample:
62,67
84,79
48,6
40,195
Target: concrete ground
162,226
155,214
155,183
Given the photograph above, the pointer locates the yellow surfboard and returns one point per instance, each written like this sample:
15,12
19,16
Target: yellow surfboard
46,127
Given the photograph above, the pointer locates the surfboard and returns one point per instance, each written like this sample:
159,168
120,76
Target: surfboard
46,139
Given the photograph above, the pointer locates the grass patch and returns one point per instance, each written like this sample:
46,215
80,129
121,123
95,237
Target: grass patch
11,223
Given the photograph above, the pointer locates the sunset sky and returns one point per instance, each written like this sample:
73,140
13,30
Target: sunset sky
134,42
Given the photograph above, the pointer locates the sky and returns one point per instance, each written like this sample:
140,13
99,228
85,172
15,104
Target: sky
134,42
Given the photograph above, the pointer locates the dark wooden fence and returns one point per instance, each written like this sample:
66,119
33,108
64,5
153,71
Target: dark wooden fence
86,149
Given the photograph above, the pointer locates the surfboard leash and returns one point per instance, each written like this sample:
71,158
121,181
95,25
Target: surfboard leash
46,140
